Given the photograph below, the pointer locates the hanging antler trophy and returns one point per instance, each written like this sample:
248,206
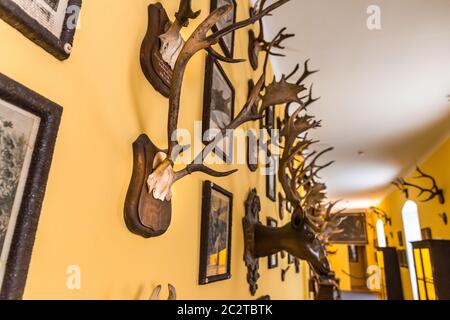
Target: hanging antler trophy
433,192
163,43
382,215
296,173
148,202
259,44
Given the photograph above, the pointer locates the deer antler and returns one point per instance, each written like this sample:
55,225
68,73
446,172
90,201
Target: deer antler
382,214
185,13
163,177
434,191
260,41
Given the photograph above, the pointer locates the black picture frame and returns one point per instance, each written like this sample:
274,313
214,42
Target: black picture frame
20,250
211,65
354,230
271,179
270,120
60,47
272,260
228,51
291,259
252,151
208,189
400,238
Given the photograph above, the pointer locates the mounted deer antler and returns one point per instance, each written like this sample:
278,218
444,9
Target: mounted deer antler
433,192
296,174
382,214
157,290
148,203
259,44
162,44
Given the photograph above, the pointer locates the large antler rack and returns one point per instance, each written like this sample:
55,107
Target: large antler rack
433,192
148,205
258,44
381,214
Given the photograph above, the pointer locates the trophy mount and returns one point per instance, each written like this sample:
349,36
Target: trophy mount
162,44
258,44
147,207
296,237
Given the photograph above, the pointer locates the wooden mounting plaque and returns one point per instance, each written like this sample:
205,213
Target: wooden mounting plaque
145,215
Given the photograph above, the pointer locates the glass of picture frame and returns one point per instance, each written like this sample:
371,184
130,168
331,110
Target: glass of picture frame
227,42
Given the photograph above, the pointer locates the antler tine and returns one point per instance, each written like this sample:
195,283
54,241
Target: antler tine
185,12
310,100
245,115
222,58
281,37
297,66
201,168
214,38
306,73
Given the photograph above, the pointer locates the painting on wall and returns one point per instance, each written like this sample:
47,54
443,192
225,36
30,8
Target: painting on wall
51,24
215,250
227,42
28,127
218,108
354,230
272,260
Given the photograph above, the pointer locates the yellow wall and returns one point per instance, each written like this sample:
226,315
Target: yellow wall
438,166
107,103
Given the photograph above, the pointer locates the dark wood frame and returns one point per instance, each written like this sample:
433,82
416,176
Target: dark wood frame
251,166
30,28
268,177
229,52
271,222
365,230
210,62
208,186
270,120
33,195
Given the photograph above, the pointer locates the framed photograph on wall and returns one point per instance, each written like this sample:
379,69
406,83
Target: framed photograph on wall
272,260
215,243
227,42
50,24
218,108
28,128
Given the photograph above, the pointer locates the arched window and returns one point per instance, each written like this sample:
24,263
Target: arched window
411,226
380,234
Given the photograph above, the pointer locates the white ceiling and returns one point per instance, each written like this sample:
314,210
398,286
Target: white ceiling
384,92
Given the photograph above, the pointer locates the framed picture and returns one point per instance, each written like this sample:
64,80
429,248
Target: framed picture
272,260
291,259
50,24
215,247
355,230
271,177
252,151
402,258
28,128
270,120
218,108
227,42
400,238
